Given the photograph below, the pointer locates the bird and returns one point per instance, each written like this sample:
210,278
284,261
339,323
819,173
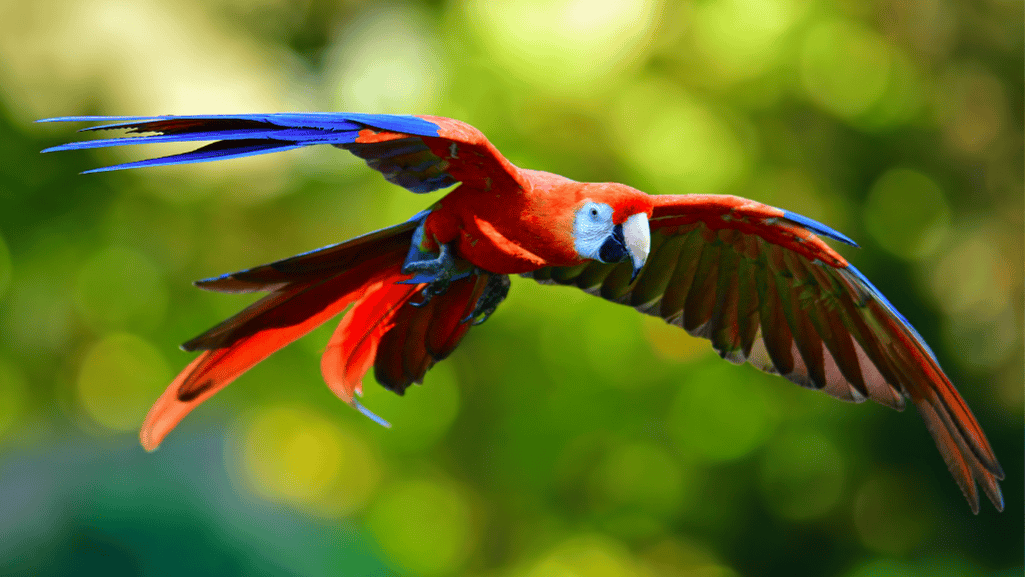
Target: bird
757,281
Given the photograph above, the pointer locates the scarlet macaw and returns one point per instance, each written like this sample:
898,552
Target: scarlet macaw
755,280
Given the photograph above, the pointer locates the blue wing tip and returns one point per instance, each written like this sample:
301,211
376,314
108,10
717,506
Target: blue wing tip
95,118
203,281
819,228
359,407
64,119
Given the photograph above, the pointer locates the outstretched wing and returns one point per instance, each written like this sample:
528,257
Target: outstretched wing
419,153
759,283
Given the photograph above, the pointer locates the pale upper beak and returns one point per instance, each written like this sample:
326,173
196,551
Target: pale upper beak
637,237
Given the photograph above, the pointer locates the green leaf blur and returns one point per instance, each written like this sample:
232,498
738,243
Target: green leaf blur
567,435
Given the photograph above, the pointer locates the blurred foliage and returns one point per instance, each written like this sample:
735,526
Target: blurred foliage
567,436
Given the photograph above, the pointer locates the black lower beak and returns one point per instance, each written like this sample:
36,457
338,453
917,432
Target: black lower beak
614,250
614,247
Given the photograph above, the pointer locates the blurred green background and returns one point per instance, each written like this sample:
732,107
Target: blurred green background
567,436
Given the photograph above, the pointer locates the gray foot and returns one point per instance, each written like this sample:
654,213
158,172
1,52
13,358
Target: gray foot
494,293
440,269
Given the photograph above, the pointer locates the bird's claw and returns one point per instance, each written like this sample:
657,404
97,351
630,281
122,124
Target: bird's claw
484,316
433,289
441,269
495,291
437,274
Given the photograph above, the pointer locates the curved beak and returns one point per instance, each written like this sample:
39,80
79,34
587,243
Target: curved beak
637,238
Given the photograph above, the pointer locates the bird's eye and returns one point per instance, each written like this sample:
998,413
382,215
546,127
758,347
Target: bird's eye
594,212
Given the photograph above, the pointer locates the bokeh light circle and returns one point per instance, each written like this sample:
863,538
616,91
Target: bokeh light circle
587,555
121,288
119,378
676,140
423,526
294,454
893,515
802,475
907,213
5,266
845,67
13,395
565,46
641,478
720,414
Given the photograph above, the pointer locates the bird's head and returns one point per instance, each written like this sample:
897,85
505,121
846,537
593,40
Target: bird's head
611,235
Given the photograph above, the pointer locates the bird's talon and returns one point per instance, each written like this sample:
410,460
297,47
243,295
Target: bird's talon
484,317
495,291
440,271
433,289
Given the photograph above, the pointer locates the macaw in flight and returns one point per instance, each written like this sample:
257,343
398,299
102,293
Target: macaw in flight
757,281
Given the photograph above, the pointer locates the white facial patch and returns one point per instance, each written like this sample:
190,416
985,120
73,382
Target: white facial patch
591,228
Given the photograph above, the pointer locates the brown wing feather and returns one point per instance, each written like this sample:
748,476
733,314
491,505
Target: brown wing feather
769,292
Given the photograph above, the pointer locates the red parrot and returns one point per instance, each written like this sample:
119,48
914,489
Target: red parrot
755,280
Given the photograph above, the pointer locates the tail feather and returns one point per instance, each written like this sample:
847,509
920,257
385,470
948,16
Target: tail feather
317,263
248,321
353,346
388,365
244,341
448,326
292,303
402,342
300,301
422,336
415,360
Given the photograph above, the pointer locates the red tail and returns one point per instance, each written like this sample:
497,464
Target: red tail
402,341
305,292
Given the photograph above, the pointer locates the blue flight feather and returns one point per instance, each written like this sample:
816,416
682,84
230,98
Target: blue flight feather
330,121
206,154
243,134
291,134
818,228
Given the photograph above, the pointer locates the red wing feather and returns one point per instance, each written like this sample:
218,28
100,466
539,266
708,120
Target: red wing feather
764,288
